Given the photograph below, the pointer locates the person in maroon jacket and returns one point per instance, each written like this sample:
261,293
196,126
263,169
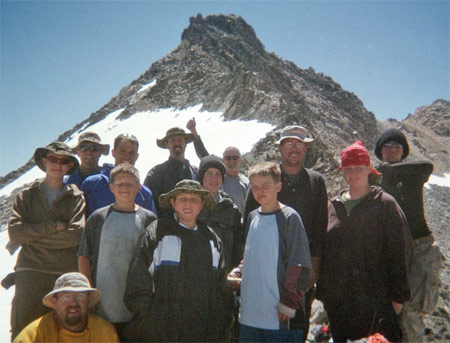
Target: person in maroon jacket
363,280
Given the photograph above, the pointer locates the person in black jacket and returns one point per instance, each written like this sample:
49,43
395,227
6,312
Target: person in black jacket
177,287
405,181
225,218
163,177
304,190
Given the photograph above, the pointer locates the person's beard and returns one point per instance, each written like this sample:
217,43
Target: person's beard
73,319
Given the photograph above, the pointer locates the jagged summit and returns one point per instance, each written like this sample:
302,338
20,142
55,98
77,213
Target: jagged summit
222,65
214,30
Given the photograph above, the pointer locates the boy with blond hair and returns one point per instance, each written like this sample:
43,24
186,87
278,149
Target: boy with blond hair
277,262
110,241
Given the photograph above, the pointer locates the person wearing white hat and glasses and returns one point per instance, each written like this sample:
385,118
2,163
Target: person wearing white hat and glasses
71,299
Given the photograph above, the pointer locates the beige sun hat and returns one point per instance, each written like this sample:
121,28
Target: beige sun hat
175,131
190,187
297,132
73,282
91,137
58,148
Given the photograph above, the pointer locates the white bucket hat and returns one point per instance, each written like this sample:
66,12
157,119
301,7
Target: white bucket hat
73,282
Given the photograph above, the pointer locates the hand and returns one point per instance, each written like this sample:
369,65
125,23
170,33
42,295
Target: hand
282,317
397,307
60,226
192,126
234,278
235,284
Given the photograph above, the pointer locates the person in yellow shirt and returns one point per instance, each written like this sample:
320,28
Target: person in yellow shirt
70,321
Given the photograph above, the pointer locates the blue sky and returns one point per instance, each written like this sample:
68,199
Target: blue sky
61,61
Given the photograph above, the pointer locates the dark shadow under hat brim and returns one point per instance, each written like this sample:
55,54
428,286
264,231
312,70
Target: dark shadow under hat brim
189,137
40,153
105,147
207,197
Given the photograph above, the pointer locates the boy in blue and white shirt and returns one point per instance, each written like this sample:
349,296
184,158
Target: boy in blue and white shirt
277,262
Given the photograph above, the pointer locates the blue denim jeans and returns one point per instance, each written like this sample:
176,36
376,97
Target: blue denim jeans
251,334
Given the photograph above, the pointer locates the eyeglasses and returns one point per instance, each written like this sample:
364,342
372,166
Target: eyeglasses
292,144
392,145
54,159
93,148
69,297
234,158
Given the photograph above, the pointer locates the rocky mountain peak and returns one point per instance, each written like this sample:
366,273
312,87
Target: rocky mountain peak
215,31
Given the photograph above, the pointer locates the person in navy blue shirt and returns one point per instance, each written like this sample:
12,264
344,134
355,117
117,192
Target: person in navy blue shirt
89,149
96,187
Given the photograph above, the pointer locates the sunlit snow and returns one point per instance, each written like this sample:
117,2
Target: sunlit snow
216,134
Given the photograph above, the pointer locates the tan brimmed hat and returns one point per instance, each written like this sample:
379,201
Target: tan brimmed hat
91,137
189,187
58,148
73,282
296,132
175,131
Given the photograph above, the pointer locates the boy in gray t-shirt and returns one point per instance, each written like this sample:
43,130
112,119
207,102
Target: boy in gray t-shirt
277,263
110,241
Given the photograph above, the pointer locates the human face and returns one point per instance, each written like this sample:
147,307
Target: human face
125,188
357,176
212,180
89,154
187,207
56,166
232,160
176,145
71,310
293,152
391,152
126,151
265,191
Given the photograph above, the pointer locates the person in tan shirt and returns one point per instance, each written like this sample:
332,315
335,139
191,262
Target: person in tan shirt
46,222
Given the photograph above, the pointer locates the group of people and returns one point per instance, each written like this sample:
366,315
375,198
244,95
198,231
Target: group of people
209,254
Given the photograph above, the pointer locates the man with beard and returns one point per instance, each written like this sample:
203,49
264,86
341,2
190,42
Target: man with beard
70,321
163,177
304,190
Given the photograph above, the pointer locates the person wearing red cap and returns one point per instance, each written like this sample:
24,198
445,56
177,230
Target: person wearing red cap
363,279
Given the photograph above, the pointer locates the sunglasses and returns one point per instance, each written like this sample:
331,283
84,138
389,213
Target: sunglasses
234,158
54,159
93,148
392,145
292,144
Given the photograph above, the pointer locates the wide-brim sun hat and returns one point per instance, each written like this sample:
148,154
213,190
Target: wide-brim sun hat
188,187
73,282
175,131
91,137
296,132
58,148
